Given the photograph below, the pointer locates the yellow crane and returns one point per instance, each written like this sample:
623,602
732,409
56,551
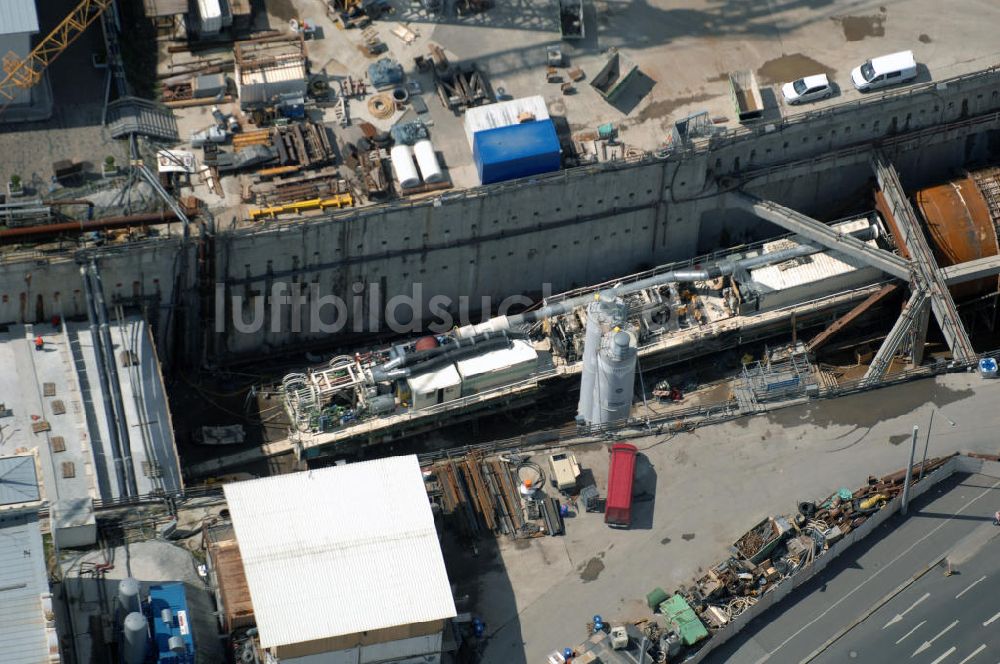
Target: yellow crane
24,73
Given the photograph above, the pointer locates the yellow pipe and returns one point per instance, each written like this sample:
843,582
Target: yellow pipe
335,201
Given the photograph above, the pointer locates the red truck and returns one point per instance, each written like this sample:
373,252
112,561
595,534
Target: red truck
618,506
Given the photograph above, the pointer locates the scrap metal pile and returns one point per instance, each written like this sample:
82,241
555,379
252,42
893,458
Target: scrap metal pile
772,551
498,495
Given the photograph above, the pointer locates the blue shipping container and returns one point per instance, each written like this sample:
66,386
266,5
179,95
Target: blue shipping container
516,151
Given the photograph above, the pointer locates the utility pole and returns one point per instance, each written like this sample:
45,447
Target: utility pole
927,442
909,471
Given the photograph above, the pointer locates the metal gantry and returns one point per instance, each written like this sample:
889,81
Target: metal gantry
903,329
927,274
818,232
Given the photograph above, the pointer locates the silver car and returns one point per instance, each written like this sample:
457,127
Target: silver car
807,89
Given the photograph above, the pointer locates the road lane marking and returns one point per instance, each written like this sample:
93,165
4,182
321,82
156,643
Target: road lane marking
990,621
861,585
910,632
976,652
979,580
946,654
927,644
899,616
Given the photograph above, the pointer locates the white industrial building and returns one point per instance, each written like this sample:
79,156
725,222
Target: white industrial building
343,564
18,25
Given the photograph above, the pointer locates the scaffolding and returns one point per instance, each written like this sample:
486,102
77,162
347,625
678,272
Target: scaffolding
785,373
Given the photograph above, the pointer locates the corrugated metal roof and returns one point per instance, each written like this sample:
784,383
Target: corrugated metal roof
18,481
808,269
446,376
165,7
503,114
340,550
24,638
17,16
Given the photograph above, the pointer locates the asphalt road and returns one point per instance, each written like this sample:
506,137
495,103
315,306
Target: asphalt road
938,619
953,521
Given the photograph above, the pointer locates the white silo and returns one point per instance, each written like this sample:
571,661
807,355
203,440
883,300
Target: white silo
427,160
615,383
135,639
601,317
404,167
128,595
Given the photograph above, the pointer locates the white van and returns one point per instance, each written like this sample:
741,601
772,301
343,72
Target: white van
885,70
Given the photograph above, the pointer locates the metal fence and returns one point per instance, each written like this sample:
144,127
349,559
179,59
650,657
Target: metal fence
689,419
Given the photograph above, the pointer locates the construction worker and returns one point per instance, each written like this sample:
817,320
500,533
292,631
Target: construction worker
39,343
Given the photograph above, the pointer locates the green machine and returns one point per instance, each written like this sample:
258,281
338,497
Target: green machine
683,620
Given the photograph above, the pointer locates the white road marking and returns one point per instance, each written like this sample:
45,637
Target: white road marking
861,585
927,644
979,580
976,652
990,621
946,654
910,632
899,616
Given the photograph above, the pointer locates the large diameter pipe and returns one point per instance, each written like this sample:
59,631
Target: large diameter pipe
723,268
146,219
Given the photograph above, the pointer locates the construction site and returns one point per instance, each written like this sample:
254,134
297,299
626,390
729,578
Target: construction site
552,249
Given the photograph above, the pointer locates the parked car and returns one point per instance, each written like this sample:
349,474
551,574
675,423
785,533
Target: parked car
884,71
807,89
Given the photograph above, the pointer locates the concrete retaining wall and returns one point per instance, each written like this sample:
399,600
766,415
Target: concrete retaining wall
565,229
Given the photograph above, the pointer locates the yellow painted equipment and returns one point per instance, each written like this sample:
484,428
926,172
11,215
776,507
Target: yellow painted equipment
872,501
276,170
24,73
248,138
337,201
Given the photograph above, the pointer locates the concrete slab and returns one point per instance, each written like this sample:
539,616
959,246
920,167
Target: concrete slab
697,492
684,54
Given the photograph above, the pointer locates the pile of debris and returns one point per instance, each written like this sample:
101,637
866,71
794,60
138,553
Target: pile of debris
283,149
772,551
499,495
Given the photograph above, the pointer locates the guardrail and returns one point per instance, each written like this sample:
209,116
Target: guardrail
689,419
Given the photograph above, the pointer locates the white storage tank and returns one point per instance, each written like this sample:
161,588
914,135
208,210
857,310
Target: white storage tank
135,639
615,377
128,595
404,167
427,160
601,318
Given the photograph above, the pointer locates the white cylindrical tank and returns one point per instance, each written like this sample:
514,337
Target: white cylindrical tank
128,595
427,160
136,639
601,317
615,377
404,166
